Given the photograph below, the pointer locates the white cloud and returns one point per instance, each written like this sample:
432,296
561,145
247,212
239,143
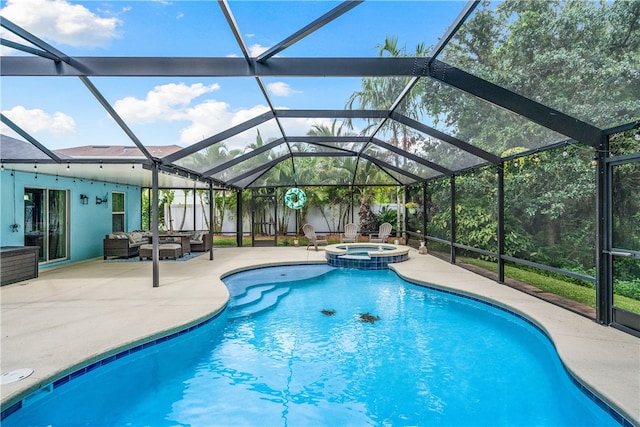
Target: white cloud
207,118
256,49
61,22
242,116
300,126
175,103
213,117
39,121
161,102
281,89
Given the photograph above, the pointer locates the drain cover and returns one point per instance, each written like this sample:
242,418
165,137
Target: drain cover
17,375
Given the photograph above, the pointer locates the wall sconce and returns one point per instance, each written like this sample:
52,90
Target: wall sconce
637,135
101,200
84,199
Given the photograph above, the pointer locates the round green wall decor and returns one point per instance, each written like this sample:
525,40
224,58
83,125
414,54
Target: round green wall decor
295,198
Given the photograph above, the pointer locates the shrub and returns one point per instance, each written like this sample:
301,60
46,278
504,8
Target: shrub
387,215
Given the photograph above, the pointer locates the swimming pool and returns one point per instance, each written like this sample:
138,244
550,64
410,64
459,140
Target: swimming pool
294,348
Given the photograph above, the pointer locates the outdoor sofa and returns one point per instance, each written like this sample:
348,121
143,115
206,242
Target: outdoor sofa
127,245
124,245
200,241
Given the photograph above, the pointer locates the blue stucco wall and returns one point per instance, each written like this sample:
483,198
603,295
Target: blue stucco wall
87,223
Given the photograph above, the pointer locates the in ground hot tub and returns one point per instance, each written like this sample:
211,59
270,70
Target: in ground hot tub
365,256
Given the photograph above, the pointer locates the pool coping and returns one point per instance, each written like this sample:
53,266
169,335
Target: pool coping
374,260
563,327
399,249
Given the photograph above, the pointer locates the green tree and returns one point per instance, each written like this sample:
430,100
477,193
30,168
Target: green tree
545,51
166,200
184,209
379,93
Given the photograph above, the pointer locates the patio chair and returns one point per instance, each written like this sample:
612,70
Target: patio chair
313,238
383,233
350,234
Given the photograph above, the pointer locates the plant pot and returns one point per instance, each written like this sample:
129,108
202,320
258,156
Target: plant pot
296,243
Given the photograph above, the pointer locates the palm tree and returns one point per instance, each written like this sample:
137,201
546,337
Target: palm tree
166,199
323,130
379,93
184,210
213,155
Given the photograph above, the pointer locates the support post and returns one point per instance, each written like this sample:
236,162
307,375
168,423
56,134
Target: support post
604,267
405,221
155,252
352,205
500,178
211,201
424,213
239,218
452,185
194,208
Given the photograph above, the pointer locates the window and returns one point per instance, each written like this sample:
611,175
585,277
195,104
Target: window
117,212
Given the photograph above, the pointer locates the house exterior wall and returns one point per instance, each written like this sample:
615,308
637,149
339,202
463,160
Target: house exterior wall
88,223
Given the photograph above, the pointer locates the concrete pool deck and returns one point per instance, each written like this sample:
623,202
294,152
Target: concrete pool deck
81,312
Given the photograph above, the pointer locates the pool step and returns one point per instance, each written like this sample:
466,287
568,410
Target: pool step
238,285
251,295
267,299
240,289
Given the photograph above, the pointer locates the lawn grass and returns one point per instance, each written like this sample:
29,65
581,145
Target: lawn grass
230,241
556,286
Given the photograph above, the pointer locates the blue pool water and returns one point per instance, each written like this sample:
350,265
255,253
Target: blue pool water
273,358
364,250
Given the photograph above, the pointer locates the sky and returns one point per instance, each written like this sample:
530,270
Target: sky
61,112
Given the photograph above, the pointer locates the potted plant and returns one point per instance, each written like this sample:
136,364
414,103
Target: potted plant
412,207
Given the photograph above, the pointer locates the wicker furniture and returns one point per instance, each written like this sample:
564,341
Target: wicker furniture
123,245
200,241
166,250
183,239
18,263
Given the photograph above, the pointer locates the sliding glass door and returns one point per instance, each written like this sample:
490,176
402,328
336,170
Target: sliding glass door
46,222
